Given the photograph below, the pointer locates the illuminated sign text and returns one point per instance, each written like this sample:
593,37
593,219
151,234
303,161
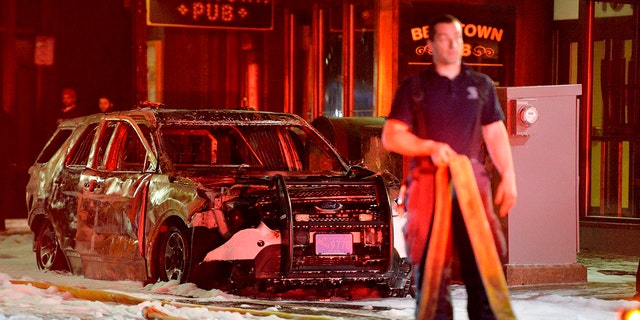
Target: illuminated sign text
468,30
467,50
244,14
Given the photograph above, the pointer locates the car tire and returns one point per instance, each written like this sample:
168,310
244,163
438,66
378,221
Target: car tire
173,255
49,256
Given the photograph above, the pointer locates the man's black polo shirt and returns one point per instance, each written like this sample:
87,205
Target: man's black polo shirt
450,111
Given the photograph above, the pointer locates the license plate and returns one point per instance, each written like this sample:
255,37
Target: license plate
334,244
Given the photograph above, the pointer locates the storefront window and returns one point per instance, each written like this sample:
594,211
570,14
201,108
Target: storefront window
358,66
616,99
334,80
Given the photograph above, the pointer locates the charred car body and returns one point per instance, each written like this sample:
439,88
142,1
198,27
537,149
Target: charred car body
232,199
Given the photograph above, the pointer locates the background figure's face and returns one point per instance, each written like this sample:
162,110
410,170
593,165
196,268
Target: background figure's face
447,44
68,100
104,104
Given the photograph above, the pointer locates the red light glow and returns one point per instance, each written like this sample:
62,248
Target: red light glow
633,314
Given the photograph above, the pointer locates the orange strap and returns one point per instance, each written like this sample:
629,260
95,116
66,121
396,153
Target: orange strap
487,258
439,251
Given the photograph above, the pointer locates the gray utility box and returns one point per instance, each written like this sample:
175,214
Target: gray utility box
542,229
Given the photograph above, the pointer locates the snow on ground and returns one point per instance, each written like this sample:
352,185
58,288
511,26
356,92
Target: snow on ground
607,292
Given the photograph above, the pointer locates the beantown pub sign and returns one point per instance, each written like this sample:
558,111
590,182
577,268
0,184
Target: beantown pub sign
488,33
240,14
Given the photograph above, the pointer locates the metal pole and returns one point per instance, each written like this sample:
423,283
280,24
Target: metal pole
587,101
139,13
348,13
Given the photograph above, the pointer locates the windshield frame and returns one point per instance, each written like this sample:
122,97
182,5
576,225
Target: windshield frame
288,147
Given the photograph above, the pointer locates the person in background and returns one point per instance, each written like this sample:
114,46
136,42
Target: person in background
69,107
105,104
445,110
8,167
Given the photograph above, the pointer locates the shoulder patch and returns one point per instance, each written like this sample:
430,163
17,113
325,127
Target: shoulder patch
472,93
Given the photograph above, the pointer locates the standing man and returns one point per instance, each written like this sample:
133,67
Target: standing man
69,108
445,110
104,104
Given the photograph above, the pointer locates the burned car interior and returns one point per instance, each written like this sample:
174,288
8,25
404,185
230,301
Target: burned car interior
274,148
250,202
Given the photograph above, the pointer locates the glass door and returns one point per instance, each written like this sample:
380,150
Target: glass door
330,63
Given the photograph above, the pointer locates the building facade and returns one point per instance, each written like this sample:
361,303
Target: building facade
332,58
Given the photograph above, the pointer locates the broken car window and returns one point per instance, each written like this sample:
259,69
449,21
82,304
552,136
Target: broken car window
79,156
270,147
54,145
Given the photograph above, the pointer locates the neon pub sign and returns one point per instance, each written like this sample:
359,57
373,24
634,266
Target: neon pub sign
241,14
470,32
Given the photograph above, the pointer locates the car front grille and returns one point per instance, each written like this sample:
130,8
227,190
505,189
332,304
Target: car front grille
338,227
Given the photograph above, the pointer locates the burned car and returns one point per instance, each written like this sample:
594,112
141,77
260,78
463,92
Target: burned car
230,199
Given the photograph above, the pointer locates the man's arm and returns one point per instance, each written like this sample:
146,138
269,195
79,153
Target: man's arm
497,141
398,138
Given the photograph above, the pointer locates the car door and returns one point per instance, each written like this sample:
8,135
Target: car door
63,199
111,203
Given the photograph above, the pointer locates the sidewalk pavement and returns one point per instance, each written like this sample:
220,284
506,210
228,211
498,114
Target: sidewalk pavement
15,226
609,277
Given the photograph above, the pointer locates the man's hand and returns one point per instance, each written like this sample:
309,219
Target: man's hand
506,193
441,153
497,142
397,137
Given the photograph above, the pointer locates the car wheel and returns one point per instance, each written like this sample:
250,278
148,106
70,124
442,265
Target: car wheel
49,256
173,255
